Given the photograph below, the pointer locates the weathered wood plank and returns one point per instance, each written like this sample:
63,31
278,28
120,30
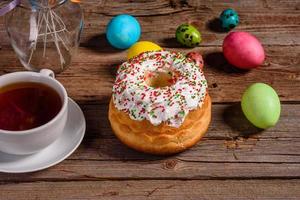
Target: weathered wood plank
92,73
156,29
161,29
231,138
273,151
76,170
157,7
167,190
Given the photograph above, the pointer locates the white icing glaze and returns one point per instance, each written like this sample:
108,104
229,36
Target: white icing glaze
170,104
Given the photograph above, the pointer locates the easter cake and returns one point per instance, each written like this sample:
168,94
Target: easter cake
160,104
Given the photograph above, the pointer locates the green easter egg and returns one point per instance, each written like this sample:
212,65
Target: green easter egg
188,35
261,105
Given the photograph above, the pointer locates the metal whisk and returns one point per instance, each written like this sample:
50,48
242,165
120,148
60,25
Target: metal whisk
46,25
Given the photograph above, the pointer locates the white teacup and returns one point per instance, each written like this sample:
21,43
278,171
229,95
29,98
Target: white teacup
33,140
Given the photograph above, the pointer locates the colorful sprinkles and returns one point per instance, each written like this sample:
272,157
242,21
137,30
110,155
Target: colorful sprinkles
170,104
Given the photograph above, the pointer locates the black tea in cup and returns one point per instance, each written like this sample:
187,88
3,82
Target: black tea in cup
27,105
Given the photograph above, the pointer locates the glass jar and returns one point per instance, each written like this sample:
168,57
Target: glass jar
45,33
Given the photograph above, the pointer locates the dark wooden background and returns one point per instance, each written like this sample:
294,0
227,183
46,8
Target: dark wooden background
233,161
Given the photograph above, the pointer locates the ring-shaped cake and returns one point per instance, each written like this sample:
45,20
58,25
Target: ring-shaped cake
160,103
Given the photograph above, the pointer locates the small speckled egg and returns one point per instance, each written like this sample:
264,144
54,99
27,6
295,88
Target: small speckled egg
243,50
261,105
197,58
188,35
229,19
140,47
123,31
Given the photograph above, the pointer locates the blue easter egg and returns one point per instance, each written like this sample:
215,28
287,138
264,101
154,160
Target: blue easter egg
123,31
229,19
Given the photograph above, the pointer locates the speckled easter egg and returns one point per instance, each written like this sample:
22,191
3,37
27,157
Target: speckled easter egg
243,50
140,47
123,31
188,35
261,105
197,58
229,19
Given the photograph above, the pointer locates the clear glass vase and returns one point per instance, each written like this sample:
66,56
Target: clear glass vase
45,33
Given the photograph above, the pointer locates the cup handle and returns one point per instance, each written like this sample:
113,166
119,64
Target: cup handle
47,72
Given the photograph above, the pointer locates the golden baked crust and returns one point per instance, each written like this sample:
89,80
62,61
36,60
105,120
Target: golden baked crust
162,139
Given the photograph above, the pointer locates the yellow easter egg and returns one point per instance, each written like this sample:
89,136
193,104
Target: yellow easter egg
141,47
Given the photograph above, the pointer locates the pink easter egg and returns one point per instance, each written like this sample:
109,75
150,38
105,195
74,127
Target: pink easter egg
197,58
243,50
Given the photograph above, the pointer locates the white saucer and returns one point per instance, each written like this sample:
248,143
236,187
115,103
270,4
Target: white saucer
63,147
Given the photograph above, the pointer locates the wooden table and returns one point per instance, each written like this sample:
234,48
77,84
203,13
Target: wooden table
233,161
